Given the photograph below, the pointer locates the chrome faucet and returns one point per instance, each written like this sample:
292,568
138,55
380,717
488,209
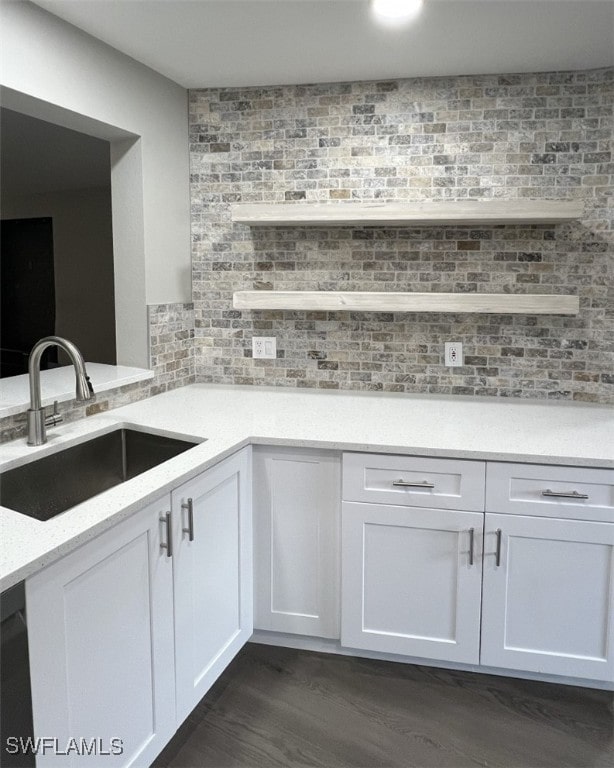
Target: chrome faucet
38,421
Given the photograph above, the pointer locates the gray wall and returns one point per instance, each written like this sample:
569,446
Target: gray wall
47,59
54,72
519,136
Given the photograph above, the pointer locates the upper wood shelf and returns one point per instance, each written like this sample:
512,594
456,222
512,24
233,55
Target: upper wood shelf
357,301
459,212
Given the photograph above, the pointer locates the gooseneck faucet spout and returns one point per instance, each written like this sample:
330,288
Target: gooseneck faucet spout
38,421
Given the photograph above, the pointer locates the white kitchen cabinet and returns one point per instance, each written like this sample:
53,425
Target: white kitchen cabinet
129,631
545,581
296,541
213,576
412,530
100,633
548,601
412,581
127,635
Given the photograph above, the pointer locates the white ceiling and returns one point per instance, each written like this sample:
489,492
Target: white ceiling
201,43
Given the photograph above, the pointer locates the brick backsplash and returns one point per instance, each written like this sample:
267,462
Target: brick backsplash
171,347
533,136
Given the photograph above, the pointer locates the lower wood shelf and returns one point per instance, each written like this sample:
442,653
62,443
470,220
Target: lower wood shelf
339,301
408,214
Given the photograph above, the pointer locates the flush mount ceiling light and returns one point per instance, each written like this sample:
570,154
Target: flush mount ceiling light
395,11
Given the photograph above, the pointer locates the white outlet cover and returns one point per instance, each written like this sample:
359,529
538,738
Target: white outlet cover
264,347
453,354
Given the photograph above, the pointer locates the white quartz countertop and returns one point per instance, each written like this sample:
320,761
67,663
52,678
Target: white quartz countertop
232,417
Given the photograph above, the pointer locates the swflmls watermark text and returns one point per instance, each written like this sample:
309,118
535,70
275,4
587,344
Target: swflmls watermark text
50,745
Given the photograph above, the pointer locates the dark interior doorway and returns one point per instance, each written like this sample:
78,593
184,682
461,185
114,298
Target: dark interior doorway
56,209
27,292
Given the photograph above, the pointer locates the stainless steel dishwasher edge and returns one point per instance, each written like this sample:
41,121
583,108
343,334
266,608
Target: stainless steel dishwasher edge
15,691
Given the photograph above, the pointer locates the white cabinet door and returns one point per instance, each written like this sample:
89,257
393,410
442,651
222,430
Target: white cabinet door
296,541
212,576
410,583
100,633
548,606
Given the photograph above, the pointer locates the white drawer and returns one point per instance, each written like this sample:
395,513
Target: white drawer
577,493
414,481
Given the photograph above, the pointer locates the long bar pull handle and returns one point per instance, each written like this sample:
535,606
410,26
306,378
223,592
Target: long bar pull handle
565,494
166,519
498,550
471,545
408,484
189,507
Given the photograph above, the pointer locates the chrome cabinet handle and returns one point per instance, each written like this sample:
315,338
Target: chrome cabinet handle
169,535
408,484
565,494
189,507
498,550
471,545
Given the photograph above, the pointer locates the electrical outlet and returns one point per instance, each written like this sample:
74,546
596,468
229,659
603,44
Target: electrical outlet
264,347
453,353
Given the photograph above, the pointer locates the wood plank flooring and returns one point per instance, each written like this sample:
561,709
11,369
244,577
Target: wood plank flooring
279,707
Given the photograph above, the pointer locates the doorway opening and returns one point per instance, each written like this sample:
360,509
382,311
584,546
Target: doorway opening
57,266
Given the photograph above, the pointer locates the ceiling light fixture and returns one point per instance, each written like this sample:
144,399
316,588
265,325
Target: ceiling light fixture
395,11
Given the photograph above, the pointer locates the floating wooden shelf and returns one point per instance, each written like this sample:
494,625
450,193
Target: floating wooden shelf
459,212
346,301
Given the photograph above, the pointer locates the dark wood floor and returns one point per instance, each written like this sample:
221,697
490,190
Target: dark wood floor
277,707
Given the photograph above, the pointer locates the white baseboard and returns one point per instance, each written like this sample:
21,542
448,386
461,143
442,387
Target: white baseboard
322,645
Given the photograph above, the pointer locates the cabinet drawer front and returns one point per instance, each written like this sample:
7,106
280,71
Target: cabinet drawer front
413,481
565,492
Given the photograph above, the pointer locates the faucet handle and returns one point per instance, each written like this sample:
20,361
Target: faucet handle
55,417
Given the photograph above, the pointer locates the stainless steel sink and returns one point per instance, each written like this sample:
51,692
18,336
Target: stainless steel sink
46,487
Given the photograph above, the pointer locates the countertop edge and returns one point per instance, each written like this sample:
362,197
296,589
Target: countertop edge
257,422
72,543
418,450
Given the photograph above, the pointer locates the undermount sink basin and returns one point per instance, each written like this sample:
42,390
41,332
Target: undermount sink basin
48,486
